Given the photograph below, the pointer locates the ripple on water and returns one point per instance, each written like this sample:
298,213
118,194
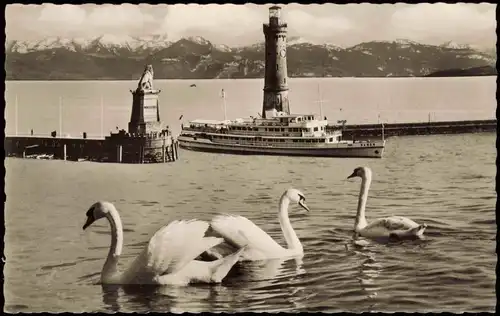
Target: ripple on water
452,269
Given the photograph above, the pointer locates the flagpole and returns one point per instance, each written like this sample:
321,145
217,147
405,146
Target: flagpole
383,132
60,116
16,112
102,117
223,93
320,103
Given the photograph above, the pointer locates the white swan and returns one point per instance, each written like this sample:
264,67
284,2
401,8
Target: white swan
239,231
388,227
169,256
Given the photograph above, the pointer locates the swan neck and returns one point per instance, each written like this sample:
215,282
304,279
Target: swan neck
363,197
110,268
291,238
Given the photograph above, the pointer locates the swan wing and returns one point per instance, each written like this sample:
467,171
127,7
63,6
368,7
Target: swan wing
239,231
393,223
173,246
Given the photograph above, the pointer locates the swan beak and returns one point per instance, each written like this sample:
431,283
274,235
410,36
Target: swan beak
352,175
89,222
302,203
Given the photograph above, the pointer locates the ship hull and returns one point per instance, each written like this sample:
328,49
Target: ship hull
340,150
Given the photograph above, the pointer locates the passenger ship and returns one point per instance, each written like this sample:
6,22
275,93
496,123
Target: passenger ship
283,134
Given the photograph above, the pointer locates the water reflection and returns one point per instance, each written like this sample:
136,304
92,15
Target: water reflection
267,269
110,297
141,298
368,272
261,284
369,268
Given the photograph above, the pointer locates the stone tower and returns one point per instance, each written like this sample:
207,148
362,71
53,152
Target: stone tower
145,116
275,83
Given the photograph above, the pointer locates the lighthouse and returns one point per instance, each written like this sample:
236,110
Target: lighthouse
275,82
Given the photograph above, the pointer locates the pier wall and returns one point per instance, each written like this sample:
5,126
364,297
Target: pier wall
362,131
111,149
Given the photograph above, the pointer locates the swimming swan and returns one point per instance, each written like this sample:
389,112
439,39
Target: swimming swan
169,256
239,231
389,227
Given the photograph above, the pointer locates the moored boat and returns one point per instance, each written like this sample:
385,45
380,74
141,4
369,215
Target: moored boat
284,134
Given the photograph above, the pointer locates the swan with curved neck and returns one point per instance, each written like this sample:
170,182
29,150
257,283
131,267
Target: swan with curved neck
388,227
238,231
169,256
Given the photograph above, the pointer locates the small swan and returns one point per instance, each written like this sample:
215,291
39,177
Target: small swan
390,227
169,256
239,231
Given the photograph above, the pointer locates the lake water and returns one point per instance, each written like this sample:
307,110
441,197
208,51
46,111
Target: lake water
446,181
357,100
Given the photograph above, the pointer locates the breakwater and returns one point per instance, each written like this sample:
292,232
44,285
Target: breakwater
362,131
120,148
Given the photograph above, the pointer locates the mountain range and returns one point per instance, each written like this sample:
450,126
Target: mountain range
115,58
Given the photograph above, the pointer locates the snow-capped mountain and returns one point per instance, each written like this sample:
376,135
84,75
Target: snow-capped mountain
453,45
198,40
104,42
297,40
123,57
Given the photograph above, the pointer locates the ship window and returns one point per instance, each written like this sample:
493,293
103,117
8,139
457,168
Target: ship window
315,129
322,140
282,129
331,139
277,67
294,140
282,140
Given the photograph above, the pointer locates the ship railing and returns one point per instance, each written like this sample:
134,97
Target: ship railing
261,134
297,144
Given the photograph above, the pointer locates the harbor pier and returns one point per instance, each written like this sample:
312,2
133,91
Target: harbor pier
364,131
146,141
54,148
126,149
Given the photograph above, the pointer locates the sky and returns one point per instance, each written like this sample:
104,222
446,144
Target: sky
238,25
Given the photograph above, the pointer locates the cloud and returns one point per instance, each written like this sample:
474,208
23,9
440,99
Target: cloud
304,23
117,16
94,20
65,14
223,19
442,20
236,25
